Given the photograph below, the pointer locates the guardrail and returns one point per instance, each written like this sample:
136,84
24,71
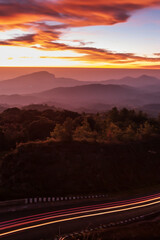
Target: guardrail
84,234
37,200
60,199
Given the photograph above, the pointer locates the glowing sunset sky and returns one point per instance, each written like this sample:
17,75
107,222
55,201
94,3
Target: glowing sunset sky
80,33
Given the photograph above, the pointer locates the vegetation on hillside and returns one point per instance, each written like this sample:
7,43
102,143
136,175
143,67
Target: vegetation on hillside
52,152
19,126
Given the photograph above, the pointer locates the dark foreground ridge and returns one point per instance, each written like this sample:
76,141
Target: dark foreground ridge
50,168
59,153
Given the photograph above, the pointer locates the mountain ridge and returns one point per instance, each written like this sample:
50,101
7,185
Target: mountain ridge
43,80
141,81
35,82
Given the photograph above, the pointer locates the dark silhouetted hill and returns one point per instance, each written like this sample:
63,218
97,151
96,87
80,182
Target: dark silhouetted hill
53,168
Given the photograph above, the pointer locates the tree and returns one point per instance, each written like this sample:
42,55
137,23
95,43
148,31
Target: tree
58,132
2,139
113,115
40,129
113,132
129,133
63,132
84,132
145,130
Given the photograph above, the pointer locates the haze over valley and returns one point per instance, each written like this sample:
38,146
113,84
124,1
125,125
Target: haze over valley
44,88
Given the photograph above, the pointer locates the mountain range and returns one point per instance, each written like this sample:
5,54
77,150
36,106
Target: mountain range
36,82
43,80
43,87
139,82
91,93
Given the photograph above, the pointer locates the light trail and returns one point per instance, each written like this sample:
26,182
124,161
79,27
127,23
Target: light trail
127,207
38,217
70,212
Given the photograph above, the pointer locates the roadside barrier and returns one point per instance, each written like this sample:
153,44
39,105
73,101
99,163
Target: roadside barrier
85,233
60,199
37,200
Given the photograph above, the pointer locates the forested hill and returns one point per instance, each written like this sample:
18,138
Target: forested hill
45,152
24,125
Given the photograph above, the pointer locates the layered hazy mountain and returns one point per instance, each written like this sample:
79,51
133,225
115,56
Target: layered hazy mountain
143,81
90,94
43,80
36,82
45,88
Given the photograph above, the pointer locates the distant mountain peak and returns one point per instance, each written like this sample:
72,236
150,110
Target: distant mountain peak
141,81
144,76
36,82
40,73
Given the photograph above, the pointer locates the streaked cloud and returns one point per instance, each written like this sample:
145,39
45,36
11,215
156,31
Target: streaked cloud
43,23
91,54
71,12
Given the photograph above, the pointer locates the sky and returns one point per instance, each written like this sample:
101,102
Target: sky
80,33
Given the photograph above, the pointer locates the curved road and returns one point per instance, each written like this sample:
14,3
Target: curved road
66,220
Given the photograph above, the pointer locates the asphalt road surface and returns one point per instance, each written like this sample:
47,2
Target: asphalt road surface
76,218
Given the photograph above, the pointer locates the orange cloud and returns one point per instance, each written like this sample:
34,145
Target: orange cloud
37,17
71,12
47,41
92,55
